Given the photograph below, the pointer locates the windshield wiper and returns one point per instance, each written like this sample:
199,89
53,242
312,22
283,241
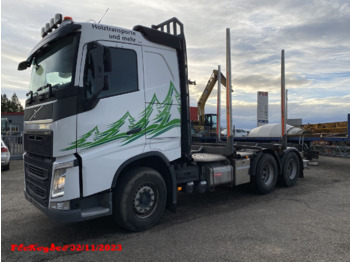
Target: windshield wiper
44,87
31,93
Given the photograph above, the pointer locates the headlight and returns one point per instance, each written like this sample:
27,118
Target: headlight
59,180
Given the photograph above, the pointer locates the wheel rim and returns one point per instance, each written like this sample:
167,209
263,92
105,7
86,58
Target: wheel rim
145,201
292,169
267,174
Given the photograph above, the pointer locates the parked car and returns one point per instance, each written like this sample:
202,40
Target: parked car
5,156
238,132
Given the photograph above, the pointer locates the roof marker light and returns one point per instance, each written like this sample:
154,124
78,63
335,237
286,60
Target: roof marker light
66,18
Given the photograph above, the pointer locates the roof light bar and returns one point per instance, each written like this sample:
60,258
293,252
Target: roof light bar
58,19
48,28
54,23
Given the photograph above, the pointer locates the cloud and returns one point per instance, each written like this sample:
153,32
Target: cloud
260,82
314,34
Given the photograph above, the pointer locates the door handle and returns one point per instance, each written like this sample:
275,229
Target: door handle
134,131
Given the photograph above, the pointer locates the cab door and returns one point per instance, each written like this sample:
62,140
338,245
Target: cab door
113,130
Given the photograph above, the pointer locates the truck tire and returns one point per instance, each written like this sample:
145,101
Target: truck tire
290,170
139,199
266,174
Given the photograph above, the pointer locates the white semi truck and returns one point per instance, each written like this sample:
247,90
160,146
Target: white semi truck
107,127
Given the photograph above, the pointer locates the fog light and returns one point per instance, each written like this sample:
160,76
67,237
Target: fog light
60,205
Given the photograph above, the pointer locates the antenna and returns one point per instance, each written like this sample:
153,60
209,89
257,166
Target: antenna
103,16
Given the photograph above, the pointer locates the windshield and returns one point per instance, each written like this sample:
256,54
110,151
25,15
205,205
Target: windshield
53,65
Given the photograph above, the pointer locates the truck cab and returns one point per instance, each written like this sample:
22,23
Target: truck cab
99,96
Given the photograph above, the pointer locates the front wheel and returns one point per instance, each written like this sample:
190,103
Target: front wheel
139,199
266,174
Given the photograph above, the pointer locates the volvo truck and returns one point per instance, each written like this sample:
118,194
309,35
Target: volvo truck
107,127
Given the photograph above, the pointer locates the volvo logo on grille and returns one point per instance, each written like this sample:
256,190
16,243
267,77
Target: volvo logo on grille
35,112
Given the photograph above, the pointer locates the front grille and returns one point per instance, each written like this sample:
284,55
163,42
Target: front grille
38,177
37,172
39,142
36,190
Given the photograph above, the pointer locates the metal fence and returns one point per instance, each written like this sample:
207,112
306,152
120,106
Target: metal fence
339,151
15,146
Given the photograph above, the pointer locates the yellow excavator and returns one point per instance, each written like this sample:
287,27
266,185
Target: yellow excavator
206,123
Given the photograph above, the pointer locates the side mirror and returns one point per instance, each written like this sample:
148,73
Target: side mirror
95,55
94,73
23,65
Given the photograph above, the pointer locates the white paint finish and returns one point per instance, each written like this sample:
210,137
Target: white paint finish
101,163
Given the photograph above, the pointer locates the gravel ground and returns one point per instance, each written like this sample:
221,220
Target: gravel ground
308,222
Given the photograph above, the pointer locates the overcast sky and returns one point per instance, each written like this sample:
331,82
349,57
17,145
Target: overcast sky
315,35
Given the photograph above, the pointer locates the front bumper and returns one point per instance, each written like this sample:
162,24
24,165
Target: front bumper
87,208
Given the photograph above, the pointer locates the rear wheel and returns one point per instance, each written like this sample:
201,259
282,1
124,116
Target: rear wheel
266,174
139,199
290,170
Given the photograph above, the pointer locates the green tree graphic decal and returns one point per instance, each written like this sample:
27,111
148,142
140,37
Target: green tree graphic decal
144,121
163,121
85,140
113,132
155,120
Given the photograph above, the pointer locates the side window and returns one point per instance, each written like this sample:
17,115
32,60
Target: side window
121,74
114,69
